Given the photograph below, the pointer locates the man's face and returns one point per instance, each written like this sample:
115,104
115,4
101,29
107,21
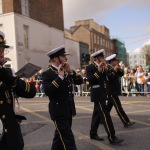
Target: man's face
100,59
1,54
63,58
114,62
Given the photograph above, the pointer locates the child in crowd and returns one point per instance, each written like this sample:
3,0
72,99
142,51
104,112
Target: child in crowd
133,87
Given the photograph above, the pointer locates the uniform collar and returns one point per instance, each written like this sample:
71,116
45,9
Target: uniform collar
96,63
55,67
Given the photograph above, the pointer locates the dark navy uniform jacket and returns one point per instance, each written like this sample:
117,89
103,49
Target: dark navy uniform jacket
114,86
97,82
60,93
12,133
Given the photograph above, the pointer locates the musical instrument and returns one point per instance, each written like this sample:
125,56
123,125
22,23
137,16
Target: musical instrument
110,67
1,130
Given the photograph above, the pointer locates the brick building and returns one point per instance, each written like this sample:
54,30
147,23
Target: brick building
94,35
32,28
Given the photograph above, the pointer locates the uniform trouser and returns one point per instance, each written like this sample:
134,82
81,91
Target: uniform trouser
13,139
63,137
100,112
95,120
113,100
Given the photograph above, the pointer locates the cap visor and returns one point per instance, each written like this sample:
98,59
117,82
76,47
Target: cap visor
5,46
66,54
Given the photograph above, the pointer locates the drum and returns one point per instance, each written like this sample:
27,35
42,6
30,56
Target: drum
1,130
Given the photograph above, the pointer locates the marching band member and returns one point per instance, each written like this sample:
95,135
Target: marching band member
11,138
58,83
96,75
114,73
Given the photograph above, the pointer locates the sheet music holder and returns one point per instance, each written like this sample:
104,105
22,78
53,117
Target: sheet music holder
28,70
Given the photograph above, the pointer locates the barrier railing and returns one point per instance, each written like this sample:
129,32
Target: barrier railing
84,90
125,87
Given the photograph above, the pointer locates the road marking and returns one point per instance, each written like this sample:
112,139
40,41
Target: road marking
82,117
128,131
114,115
37,114
78,135
84,108
93,142
38,144
33,122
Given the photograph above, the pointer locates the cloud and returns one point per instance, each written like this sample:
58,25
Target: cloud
147,43
139,49
93,9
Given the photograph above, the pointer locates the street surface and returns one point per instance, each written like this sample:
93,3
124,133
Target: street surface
38,129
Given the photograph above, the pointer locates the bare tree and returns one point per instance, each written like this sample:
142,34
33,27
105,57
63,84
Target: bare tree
146,49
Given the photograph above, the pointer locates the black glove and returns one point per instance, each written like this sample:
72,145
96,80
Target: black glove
6,78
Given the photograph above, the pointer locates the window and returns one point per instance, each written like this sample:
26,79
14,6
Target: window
94,38
26,37
97,39
103,42
1,8
25,7
108,44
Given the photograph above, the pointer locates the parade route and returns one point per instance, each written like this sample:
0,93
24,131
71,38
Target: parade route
38,129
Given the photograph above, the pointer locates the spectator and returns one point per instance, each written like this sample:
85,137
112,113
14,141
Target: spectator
41,89
133,86
132,77
141,80
148,82
85,86
125,81
79,87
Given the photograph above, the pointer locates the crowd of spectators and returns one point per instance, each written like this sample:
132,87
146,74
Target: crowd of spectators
135,82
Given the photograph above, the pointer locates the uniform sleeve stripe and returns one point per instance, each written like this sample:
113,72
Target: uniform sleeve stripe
96,75
54,84
26,86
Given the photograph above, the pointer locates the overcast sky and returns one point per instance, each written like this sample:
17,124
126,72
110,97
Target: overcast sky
128,20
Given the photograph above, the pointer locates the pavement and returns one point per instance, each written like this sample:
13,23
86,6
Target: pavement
38,129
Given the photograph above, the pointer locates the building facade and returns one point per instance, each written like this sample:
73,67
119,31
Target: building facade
120,50
137,58
72,47
32,29
94,35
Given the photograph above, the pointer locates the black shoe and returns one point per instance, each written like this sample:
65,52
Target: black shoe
96,137
129,124
115,141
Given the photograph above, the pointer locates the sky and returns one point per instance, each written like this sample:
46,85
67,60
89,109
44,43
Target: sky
127,20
